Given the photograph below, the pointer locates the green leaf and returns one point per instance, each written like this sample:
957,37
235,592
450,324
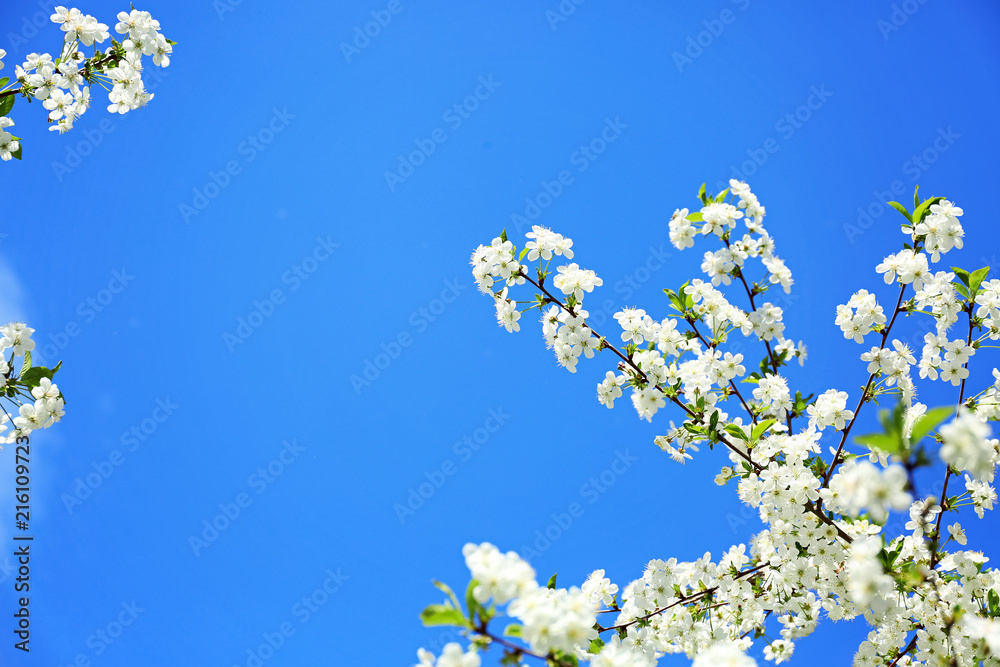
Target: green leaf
6,104
32,377
552,581
760,428
503,235
513,630
562,658
962,274
702,196
929,421
902,209
976,279
753,378
523,253
961,289
441,614
722,196
676,300
511,658
27,363
691,428
916,197
4,81
447,591
882,441
736,432
695,217
596,644
171,42
688,299
471,603
17,154
920,212
713,421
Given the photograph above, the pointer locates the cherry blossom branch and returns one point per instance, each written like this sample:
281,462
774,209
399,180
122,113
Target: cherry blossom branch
682,600
520,650
645,377
864,394
947,469
767,344
909,647
814,509
750,413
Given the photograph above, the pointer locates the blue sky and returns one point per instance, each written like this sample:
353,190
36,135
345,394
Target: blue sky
214,269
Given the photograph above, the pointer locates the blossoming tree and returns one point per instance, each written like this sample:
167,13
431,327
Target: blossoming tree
63,84
823,496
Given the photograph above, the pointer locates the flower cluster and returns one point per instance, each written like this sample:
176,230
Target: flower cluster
823,550
556,619
39,403
860,484
967,446
860,316
63,83
830,410
501,577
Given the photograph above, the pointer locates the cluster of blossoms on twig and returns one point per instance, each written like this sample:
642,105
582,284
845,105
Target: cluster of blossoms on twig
63,84
823,550
36,400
